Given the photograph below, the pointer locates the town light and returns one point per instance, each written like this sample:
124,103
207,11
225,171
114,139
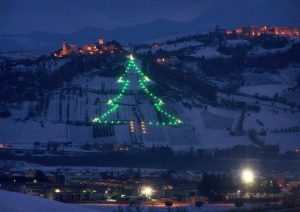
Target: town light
57,190
248,176
147,191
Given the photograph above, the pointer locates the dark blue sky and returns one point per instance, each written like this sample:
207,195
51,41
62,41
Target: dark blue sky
17,16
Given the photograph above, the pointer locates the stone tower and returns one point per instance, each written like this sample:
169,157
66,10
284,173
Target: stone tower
65,50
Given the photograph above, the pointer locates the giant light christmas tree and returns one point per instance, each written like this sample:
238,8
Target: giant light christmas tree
168,119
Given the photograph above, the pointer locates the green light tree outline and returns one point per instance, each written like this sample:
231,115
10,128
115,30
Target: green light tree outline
143,79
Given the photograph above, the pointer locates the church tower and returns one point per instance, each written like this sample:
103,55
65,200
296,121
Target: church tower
65,49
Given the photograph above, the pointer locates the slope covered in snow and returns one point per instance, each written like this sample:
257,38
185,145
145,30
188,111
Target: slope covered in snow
67,111
17,202
207,52
270,84
210,126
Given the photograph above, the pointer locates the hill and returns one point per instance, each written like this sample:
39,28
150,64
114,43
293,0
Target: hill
17,202
227,91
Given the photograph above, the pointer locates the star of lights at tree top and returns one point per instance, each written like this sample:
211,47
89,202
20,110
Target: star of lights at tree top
158,103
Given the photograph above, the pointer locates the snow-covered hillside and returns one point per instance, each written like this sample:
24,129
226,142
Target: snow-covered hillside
264,101
205,128
17,202
170,46
267,84
207,52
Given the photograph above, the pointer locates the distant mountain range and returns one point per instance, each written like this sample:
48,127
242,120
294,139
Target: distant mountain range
45,41
227,14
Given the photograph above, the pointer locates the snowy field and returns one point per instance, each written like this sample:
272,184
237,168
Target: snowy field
260,51
212,125
214,121
208,128
207,52
20,55
206,208
264,90
30,131
261,79
204,128
170,47
18,202
292,97
236,42
50,65
181,45
285,141
269,84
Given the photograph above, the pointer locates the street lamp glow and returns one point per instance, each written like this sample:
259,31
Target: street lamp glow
248,176
57,190
147,191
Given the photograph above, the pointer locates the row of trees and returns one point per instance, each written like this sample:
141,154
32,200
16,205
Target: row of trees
166,158
217,186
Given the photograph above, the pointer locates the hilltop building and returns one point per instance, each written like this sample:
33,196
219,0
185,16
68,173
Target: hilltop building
66,50
258,31
100,47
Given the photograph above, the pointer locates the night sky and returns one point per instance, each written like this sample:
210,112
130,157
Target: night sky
19,16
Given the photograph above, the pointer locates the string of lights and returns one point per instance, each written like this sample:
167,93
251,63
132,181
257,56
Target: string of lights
143,79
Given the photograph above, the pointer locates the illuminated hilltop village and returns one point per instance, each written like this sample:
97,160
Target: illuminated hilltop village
100,47
259,30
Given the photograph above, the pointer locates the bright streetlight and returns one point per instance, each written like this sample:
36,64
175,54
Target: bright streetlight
248,176
57,190
147,191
